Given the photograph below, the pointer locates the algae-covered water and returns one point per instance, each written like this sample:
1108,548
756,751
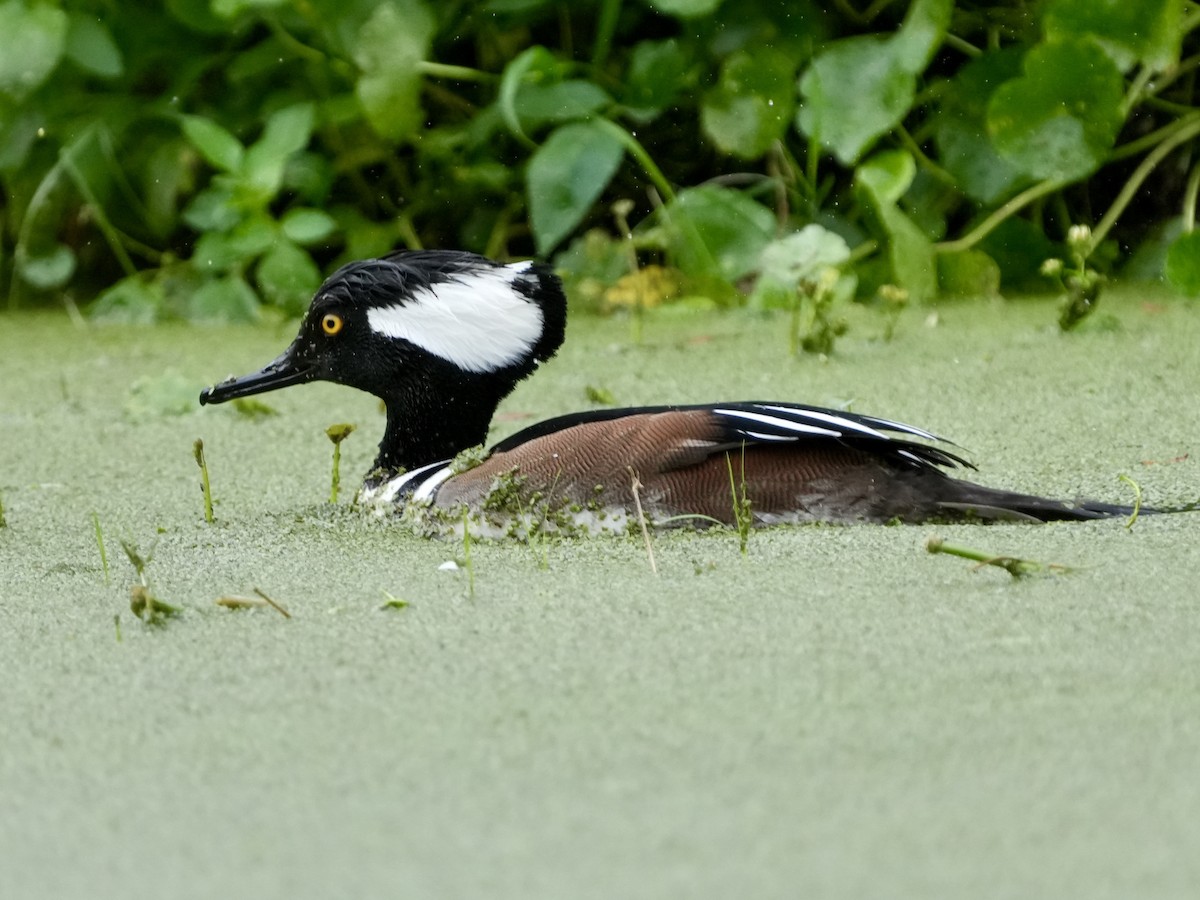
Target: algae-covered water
836,714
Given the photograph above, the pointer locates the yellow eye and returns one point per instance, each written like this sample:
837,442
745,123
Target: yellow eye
331,323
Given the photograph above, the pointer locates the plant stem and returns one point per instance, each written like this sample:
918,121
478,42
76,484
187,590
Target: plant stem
100,544
606,27
636,486
467,564
1191,193
275,606
638,152
1137,499
198,450
984,228
1187,128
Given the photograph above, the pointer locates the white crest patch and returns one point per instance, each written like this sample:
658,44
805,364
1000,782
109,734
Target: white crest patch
477,320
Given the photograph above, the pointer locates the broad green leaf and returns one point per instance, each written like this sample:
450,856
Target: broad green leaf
566,175
1130,31
218,251
90,46
307,226
684,9
287,277
227,299
287,132
32,40
961,131
391,44
716,231
860,88
132,300
17,137
751,106
213,209
514,7
1183,263
884,178
49,270
1019,248
229,8
802,257
922,32
971,273
197,15
220,148
855,90
1059,120
575,98
658,71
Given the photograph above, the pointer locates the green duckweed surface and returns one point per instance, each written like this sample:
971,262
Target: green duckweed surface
837,714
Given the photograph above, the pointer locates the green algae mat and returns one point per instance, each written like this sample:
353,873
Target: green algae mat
836,713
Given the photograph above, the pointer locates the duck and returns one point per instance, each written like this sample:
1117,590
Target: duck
442,336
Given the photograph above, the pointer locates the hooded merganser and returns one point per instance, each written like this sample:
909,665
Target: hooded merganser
443,336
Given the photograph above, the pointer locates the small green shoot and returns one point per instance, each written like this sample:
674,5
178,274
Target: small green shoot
743,519
1137,500
466,546
337,434
894,300
601,395
635,485
142,602
253,408
3,521
117,625
814,329
1016,567
393,602
233,601
100,544
205,486
1080,283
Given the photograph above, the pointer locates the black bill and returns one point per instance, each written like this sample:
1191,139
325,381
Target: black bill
283,372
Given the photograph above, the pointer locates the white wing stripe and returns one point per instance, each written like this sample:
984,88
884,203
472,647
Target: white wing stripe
838,421
789,425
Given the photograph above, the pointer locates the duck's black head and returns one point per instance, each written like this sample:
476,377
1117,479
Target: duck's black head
440,336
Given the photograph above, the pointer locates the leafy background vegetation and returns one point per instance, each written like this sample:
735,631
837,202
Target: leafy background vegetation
211,158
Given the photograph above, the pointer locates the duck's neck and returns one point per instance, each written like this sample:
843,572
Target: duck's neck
425,426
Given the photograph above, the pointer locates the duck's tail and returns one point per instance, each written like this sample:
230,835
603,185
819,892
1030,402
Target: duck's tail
965,499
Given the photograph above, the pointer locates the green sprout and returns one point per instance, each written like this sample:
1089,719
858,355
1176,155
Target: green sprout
391,602
1016,567
466,547
337,434
205,486
635,485
100,544
142,602
743,519
1137,500
814,328
1080,283
3,521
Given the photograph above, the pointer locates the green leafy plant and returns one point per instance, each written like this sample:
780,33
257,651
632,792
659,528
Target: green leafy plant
337,434
209,161
142,601
205,486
